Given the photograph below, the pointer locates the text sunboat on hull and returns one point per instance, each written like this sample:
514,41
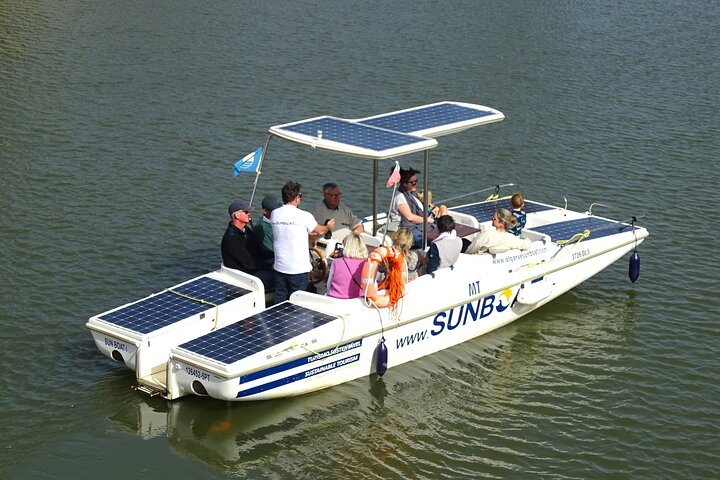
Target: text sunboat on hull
215,336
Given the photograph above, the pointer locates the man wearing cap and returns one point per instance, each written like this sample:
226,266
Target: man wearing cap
263,229
332,206
291,227
239,247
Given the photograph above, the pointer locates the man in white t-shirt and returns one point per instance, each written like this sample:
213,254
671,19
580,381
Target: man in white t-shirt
291,227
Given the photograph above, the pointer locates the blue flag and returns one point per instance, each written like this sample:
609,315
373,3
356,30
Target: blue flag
249,163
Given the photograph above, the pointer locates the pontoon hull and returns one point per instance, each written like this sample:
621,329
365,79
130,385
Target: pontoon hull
300,366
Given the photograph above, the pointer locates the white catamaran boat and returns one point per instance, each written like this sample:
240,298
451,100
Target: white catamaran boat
214,335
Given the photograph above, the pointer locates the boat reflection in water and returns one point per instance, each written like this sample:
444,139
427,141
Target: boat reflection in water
367,424
223,433
375,411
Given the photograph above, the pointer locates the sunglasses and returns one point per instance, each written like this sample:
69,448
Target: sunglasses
413,183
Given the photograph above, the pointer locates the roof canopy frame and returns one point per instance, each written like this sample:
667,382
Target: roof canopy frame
388,135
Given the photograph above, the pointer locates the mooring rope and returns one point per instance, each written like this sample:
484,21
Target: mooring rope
199,300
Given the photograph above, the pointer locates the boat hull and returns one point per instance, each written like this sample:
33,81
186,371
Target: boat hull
467,308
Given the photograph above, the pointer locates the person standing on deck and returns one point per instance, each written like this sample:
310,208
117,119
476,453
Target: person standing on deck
263,230
291,227
239,247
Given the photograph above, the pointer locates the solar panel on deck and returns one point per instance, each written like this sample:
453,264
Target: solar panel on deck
355,134
425,118
598,228
166,308
256,333
483,211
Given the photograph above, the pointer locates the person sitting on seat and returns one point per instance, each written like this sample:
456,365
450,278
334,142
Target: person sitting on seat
445,249
499,240
344,280
239,247
407,209
517,202
414,260
331,206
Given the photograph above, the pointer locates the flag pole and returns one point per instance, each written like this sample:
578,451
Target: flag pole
258,172
393,181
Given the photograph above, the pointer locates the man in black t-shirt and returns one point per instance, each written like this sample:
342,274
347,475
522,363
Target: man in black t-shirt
240,248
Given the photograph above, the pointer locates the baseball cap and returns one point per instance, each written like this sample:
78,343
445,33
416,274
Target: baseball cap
270,203
237,205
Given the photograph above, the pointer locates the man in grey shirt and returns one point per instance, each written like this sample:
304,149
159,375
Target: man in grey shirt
332,207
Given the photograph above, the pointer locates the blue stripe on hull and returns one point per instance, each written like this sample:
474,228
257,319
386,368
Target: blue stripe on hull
300,376
300,361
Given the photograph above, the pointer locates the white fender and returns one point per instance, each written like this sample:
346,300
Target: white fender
532,293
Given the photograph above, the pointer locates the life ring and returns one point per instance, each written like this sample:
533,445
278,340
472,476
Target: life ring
395,281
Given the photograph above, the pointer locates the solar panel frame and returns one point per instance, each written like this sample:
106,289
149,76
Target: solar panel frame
433,119
387,135
165,308
256,333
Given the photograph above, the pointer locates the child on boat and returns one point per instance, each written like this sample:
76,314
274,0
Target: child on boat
414,259
517,202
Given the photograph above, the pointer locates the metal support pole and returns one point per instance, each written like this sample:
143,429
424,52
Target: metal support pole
259,170
426,185
374,198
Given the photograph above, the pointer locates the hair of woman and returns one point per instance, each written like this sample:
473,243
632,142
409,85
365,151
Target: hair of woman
506,217
354,246
406,174
403,241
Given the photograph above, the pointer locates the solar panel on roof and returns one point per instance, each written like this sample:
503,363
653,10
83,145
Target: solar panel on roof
355,134
256,333
387,135
426,118
166,308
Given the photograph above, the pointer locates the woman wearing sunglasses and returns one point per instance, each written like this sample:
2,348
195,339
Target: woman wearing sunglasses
407,209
